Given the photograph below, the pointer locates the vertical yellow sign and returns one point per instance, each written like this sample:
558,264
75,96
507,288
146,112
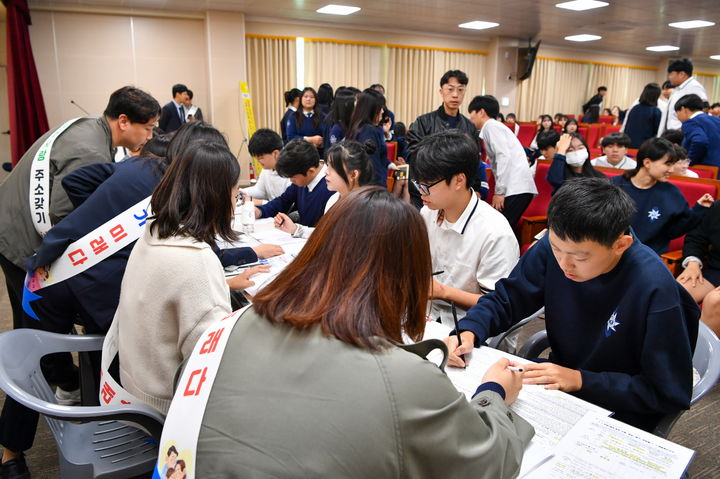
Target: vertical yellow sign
250,118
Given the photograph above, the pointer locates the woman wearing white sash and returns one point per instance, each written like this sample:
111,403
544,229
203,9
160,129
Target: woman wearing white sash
174,285
312,384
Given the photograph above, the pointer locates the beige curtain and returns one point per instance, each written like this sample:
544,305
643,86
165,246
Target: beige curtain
413,79
710,82
271,72
554,87
624,84
341,64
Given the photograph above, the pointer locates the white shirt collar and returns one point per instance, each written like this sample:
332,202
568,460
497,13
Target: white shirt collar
319,177
292,108
684,84
177,105
700,112
467,214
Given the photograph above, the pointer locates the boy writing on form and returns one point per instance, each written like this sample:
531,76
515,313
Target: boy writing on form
621,329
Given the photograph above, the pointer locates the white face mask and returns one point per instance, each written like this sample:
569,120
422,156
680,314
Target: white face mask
577,157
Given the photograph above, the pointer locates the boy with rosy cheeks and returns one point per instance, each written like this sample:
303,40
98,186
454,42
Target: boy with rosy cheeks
621,329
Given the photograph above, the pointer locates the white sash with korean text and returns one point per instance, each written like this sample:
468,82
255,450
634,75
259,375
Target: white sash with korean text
99,244
182,426
39,195
111,392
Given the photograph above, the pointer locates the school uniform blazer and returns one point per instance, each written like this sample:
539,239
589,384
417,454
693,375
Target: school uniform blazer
170,118
702,139
364,413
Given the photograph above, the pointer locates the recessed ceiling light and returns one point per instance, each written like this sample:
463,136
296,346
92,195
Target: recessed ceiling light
583,38
580,5
478,25
337,9
662,48
692,24
715,57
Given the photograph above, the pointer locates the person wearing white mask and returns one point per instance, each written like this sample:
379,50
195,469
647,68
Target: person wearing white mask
571,159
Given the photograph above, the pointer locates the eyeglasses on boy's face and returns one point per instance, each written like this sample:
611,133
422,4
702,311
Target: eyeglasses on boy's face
425,189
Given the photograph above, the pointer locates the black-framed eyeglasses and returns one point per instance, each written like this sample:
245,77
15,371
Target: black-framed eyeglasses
425,189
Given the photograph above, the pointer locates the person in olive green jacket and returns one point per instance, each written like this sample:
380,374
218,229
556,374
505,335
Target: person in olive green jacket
313,383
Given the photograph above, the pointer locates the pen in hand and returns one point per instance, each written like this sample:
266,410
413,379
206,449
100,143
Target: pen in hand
515,368
457,328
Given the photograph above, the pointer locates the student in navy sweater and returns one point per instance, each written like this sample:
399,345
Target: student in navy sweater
643,119
364,126
306,122
300,162
292,102
662,212
702,131
338,121
569,155
621,329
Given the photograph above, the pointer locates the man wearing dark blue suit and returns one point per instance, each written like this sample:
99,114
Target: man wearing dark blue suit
173,114
702,131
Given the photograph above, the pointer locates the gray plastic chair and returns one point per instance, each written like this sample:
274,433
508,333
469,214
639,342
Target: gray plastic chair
706,361
95,444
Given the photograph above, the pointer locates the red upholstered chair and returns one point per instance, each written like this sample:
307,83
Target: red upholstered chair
526,134
705,171
392,150
534,219
558,128
593,135
607,119
583,130
607,129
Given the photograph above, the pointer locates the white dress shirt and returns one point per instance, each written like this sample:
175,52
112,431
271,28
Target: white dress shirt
508,160
626,163
269,185
473,253
669,119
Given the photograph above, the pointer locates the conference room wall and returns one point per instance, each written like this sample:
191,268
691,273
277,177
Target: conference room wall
84,56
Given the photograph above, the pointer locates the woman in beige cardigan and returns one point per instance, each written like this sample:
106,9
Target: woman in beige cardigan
174,286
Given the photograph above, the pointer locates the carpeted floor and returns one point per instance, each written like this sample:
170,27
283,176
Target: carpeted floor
697,429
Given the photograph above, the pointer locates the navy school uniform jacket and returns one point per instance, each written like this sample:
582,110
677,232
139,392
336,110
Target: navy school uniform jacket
379,157
283,123
662,213
101,192
305,129
630,332
702,139
310,204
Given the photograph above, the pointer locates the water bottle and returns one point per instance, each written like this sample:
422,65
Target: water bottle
248,216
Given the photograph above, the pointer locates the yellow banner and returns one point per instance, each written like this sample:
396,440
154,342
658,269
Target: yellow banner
250,118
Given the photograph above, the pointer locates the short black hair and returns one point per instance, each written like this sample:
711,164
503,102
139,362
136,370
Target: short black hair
618,138
444,155
485,102
297,158
681,65
507,117
375,86
291,95
673,136
714,105
546,139
680,153
264,141
400,129
602,88
666,84
590,209
460,76
190,94
138,106
692,102
179,88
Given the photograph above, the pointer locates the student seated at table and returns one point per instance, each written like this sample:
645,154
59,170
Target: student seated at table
701,263
174,285
324,387
265,146
621,329
614,148
569,155
662,212
300,162
348,168
471,243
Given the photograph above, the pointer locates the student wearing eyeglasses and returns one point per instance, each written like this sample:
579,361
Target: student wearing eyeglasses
471,244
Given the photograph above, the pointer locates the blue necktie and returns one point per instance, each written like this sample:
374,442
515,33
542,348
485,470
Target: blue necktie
182,114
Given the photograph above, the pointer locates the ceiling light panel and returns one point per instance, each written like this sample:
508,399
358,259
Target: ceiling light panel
662,48
580,5
583,38
692,24
337,9
478,25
